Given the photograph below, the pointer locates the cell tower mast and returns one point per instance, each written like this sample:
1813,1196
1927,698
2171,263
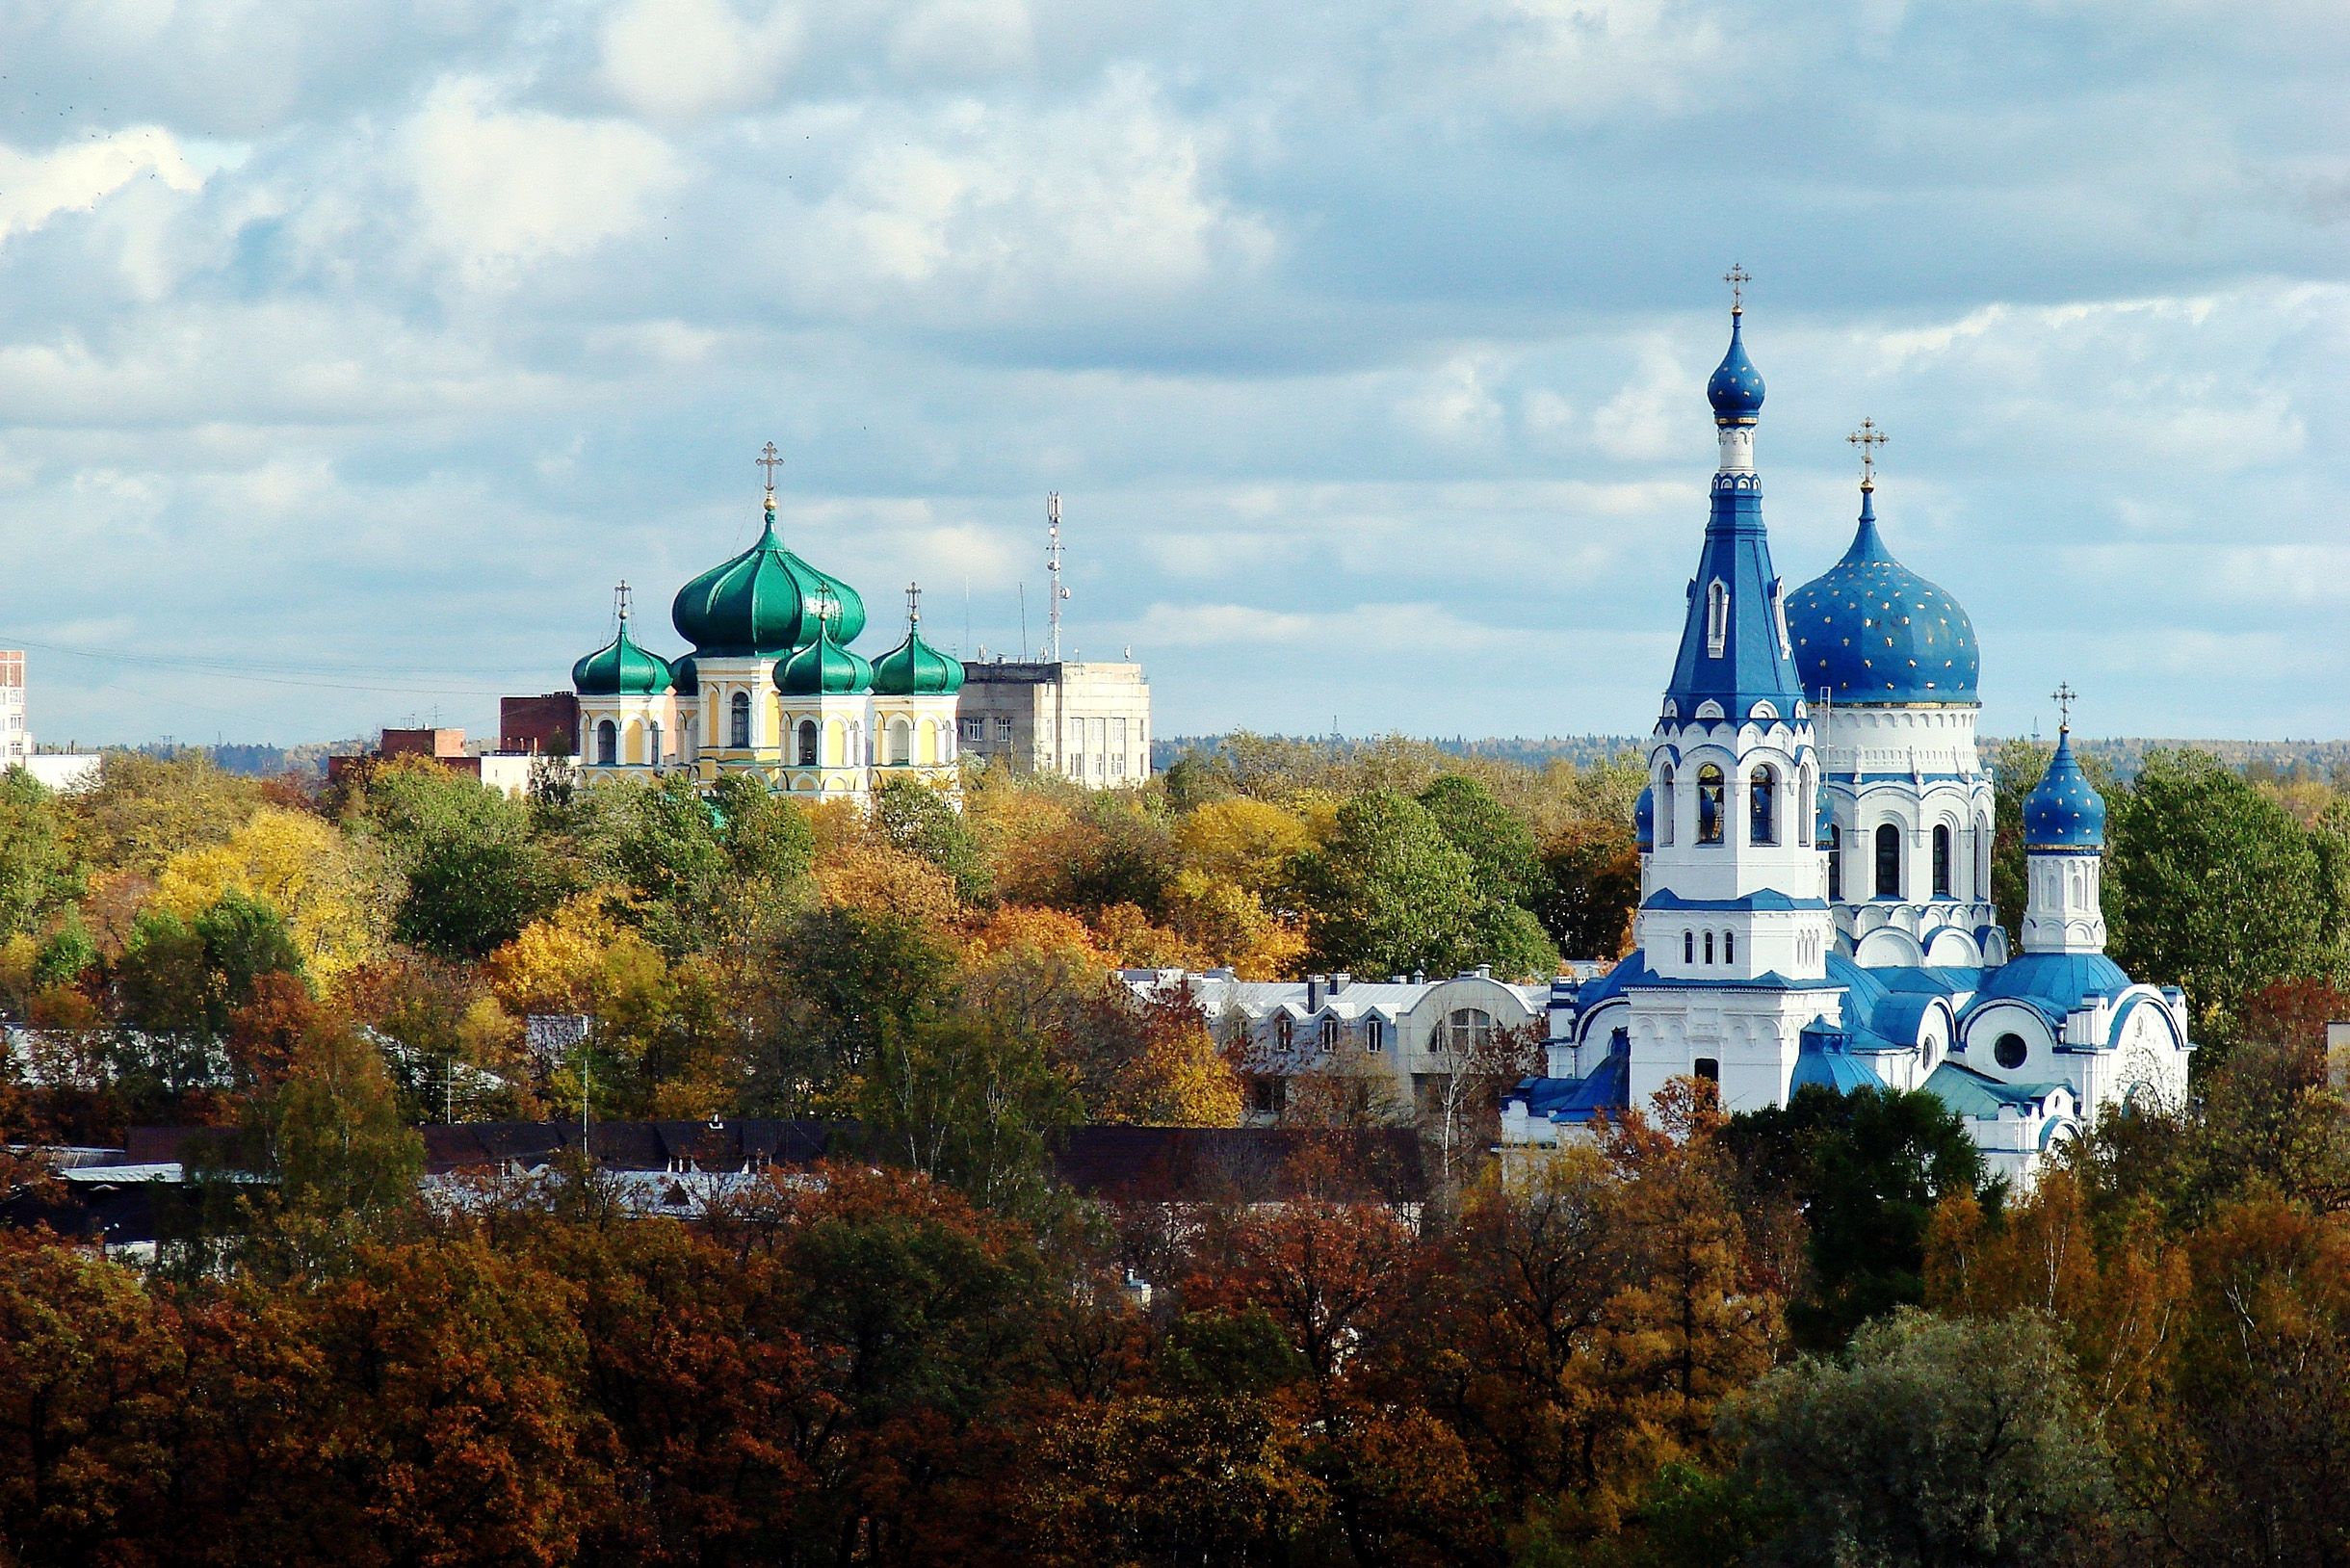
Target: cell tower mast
1052,564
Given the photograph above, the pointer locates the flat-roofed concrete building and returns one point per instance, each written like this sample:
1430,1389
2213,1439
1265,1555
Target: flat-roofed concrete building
1089,721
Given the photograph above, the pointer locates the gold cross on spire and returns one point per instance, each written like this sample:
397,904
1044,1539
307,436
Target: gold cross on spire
913,604
2065,697
1868,438
1737,278
768,460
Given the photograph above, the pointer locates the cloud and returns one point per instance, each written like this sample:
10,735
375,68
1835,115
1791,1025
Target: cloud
677,59
35,186
500,188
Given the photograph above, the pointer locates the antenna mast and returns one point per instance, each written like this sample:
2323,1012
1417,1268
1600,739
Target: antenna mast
1052,564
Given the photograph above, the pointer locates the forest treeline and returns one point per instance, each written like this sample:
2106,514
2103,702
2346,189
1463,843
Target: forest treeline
1814,1335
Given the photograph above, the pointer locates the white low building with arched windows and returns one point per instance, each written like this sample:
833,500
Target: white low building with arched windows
1400,1040
1816,844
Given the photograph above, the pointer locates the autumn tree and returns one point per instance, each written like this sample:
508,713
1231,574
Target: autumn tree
1388,892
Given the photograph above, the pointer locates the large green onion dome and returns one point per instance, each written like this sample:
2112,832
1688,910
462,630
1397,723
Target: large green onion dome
914,667
763,602
824,668
621,669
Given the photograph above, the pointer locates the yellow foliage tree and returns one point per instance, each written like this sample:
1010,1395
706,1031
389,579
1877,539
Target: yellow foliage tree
323,883
1125,932
1244,843
576,961
875,880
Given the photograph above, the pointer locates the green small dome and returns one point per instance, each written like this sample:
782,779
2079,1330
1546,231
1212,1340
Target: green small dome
762,603
824,668
621,669
915,668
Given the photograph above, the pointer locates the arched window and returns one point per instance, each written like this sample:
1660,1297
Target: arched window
1942,861
1709,947
1708,1069
1889,861
1763,816
807,742
900,742
607,743
739,724
1374,1035
1730,947
1835,862
1718,617
1329,1033
1470,1029
1664,807
1708,804
1688,947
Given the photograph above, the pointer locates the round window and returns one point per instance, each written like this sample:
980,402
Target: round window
2010,1052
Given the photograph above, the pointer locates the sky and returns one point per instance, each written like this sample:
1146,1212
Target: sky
351,352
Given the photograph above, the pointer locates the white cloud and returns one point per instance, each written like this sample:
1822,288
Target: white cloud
675,59
503,187
35,186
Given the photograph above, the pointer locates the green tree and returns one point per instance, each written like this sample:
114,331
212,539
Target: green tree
342,1145
968,1104
1866,1169
1508,937
175,976
1926,1442
1388,892
2210,886
1501,850
913,816
842,979
1592,875
36,869
766,835
474,876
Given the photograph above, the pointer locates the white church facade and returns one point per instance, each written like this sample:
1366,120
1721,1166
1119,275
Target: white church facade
1815,875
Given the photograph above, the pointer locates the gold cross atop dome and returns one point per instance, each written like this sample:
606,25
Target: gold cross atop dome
913,603
1868,438
2064,696
1737,278
768,460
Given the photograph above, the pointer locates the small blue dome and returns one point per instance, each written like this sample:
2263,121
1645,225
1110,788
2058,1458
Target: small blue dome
1875,632
1824,822
1735,389
1644,820
2064,813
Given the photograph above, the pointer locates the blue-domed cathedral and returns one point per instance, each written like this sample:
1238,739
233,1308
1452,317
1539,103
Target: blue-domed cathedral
1815,865
772,686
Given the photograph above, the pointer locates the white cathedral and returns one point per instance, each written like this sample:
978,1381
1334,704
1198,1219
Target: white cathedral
1815,881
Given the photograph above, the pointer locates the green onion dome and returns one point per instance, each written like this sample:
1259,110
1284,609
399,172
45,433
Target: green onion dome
914,667
824,668
621,669
763,602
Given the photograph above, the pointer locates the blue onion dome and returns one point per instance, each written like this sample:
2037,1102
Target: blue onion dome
1823,823
1644,819
1735,389
621,669
915,668
2064,812
1875,633
824,668
762,603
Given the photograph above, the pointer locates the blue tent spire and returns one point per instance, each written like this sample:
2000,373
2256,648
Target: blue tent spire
1734,648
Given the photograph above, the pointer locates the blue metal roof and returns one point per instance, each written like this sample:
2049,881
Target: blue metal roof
2053,982
1877,633
2064,814
1607,1087
1735,386
1823,1059
1971,1094
1763,899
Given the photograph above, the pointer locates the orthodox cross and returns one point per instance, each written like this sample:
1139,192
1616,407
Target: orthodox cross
619,598
768,460
1868,438
2064,696
1737,278
913,604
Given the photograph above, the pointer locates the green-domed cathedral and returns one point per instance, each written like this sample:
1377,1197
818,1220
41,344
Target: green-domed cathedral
771,685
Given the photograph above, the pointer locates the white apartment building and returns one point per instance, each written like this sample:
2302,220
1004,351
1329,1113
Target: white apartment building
1089,721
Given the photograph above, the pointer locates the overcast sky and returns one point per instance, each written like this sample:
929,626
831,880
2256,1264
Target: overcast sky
350,352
